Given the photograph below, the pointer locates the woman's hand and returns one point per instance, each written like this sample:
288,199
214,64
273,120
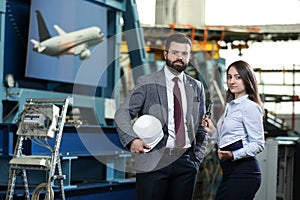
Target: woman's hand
225,155
208,125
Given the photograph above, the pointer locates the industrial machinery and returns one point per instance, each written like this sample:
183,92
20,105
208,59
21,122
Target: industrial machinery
90,140
41,119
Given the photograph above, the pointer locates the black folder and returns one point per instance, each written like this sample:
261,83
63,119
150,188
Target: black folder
233,146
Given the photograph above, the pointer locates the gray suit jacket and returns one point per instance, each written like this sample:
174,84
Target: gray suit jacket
149,96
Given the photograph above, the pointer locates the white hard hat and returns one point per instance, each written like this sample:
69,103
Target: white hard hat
149,129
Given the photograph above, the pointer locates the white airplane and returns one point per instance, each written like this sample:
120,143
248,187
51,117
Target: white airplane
75,43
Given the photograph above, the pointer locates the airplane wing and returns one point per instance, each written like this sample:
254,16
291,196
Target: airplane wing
59,30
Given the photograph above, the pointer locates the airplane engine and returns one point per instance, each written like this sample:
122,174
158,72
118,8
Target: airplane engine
85,54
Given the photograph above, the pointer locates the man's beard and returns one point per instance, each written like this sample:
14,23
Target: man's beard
178,68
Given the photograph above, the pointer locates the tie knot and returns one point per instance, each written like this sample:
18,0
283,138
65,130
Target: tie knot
175,79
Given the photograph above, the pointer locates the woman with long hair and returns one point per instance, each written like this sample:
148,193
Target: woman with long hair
239,135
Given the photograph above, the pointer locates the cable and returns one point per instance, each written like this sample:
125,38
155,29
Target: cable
44,144
11,112
49,195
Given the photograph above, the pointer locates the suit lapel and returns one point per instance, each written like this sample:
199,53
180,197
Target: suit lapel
161,88
162,92
190,94
189,90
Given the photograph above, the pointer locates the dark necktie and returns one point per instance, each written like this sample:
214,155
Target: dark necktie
178,115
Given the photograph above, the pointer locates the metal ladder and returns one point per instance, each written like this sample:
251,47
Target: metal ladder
51,163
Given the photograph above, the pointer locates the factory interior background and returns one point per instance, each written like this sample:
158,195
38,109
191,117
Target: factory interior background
87,89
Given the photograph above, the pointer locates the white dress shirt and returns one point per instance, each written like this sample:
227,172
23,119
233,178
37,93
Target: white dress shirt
171,126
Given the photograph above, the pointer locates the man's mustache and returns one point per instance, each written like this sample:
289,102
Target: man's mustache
178,61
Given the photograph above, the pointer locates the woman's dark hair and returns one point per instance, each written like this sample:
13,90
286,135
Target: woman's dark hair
177,37
247,75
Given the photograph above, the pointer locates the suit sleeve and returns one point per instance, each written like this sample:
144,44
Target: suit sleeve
128,110
201,135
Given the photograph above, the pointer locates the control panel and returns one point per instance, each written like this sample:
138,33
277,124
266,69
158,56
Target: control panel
38,120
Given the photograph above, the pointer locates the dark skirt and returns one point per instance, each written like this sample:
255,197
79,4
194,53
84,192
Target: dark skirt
240,180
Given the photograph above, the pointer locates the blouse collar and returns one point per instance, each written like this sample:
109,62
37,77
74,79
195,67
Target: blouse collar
240,99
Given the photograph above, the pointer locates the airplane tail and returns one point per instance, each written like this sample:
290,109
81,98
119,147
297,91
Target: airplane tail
43,30
37,47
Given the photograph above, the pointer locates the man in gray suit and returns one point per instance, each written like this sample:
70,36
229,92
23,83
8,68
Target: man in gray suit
168,170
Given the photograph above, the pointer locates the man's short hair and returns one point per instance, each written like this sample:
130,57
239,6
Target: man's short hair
177,37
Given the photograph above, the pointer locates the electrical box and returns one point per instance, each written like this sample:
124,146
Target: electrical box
38,120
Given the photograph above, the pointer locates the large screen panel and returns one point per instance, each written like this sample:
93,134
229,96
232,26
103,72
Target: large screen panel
67,42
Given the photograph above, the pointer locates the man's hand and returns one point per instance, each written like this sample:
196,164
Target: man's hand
138,146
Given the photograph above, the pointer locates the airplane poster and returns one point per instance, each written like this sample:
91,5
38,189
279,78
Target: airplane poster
67,42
